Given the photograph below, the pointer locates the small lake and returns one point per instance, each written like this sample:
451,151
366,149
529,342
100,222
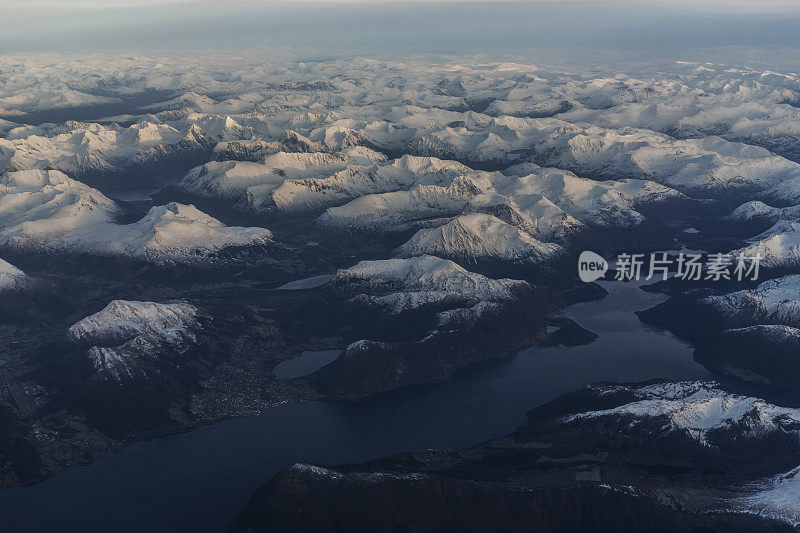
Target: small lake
199,481
308,363
306,283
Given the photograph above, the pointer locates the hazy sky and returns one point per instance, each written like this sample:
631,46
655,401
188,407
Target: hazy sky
586,29
97,4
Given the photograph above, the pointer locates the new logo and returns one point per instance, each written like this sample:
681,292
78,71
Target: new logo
591,266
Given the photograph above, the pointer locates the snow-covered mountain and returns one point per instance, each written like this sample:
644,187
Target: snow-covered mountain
12,278
252,184
231,179
41,207
756,210
123,319
775,497
693,166
775,301
674,455
399,285
468,161
464,316
740,104
751,335
550,204
609,203
701,411
779,246
46,210
172,232
395,211
479,236
355,181
79,148
126,332
228,179
695,127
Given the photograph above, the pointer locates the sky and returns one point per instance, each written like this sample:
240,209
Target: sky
585,30
100,4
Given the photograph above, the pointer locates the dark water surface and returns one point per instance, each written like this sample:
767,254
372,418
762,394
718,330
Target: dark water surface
308,363
199,481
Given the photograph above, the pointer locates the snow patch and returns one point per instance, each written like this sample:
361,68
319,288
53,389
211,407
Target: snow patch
698,408
405,284
127,331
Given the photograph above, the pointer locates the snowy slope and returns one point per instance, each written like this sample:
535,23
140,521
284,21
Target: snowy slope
775,301
402,284
236,179
77,148
125,331
42,206
394,211
550,203
699,410
11,278
776,497
49,211
465,316
228,179
738,103
610,203
760,211
778,246
698,166
681,126
125,319
400,174
479,237
463,194
172,232
693,165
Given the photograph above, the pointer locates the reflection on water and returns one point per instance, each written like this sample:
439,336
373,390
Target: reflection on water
199,481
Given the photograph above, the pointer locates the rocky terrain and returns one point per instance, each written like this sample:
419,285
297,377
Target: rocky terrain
668,456
123,333
749,334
